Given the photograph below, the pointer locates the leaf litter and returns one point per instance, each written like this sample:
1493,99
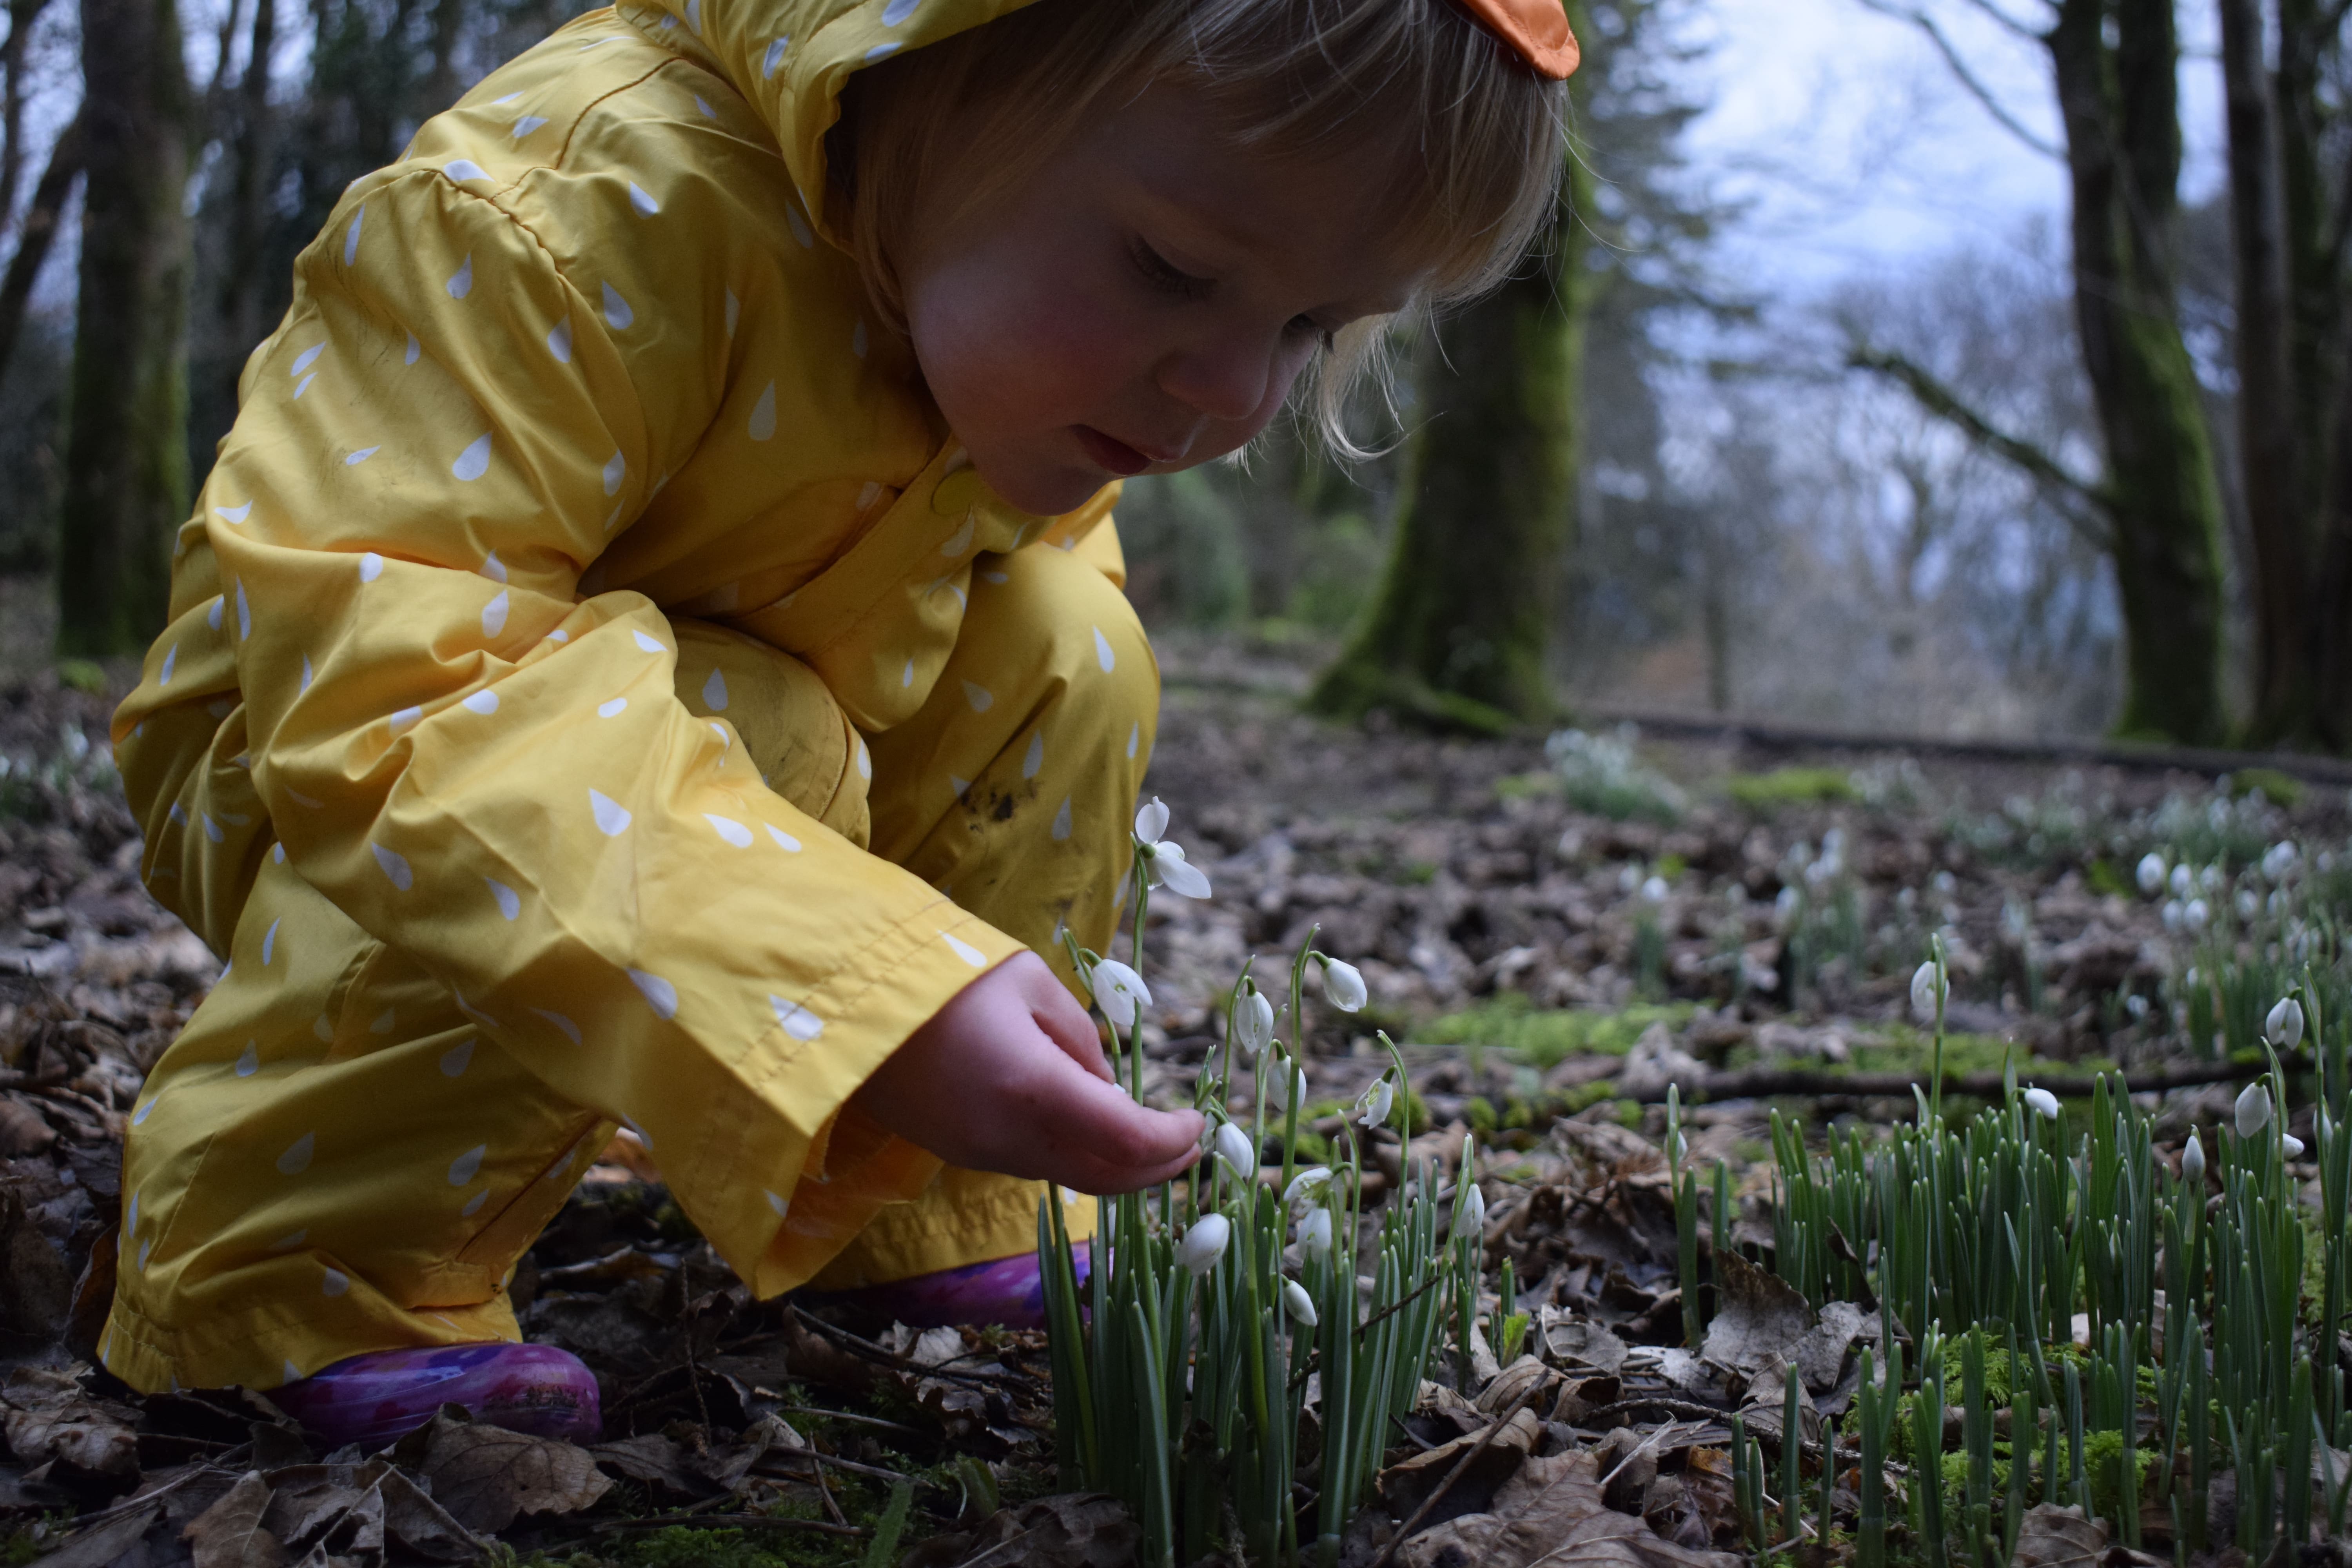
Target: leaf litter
779,1433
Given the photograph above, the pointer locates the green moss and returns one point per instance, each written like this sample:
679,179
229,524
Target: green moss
1765,792
1543,1037
2102,1461
2283,789
1539,784
2106,881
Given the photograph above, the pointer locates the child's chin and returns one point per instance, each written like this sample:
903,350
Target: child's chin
1041,489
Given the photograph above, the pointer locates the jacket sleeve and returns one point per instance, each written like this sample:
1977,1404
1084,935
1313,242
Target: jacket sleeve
494,776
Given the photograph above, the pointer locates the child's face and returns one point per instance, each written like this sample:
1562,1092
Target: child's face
1144,303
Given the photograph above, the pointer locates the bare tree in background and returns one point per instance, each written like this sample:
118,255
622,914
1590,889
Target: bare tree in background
2289,222
126,458
2115,65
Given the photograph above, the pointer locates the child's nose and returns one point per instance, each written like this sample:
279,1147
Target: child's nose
1223,379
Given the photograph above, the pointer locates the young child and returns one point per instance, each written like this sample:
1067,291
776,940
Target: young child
650,652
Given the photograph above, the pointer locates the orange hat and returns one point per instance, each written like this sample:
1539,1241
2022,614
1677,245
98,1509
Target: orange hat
1537,29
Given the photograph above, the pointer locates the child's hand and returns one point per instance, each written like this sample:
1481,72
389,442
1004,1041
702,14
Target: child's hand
1010,1076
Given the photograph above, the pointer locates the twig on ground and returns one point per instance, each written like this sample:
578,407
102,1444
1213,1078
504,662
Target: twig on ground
1485,1441
728,1521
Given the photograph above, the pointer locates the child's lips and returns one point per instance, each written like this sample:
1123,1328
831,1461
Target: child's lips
1107,452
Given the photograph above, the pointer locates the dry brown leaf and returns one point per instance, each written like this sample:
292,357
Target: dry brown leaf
1525,1381
1578,1344
342,1508
101,1547
229,1533
2054,1537
653,1457
484,1476
1761,1316
1405,1486
50,1417
1070,1530
35,1288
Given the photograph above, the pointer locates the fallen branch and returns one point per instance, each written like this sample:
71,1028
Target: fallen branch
725,1520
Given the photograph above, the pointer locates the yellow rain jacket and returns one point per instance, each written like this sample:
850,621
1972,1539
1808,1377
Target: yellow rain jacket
426,753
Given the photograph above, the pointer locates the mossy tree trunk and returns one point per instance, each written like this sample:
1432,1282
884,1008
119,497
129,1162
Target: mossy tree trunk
1458,632
126,481
2116,63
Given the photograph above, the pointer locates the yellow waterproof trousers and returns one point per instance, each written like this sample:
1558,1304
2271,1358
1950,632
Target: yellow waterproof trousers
274,1221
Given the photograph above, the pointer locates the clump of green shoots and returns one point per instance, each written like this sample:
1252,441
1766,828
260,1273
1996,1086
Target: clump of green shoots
1181,1365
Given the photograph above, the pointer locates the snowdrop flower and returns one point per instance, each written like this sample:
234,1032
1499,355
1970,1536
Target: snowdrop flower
2152,871
1284,1085
1308,1183
1121,992
1474,1213
1928,988
2194,915
1786,906
2250,903
2253,1108
1163,859
2291,1143
2192,1161
1205,1243
1233,1146
2284,1028
1252,1021
2183,878
1299,1303
1374,1110
1343,984
1314,1233
2172,914
2043,1103
2279,859
1654,890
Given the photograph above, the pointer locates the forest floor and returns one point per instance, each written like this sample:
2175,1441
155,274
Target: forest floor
1552,940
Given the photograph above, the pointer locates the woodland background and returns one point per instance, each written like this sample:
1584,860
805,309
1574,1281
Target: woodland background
2071,464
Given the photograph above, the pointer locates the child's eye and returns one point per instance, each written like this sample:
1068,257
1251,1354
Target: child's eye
1165,276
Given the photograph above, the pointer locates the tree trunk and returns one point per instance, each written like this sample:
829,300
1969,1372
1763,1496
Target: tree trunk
243,290
22,15
2123,152
33,240
1459,630
126,481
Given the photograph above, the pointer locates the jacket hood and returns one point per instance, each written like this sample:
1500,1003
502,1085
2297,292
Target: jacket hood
791,59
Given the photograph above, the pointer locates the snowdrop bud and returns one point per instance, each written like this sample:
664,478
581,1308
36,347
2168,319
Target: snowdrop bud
1253,1022
2192,1161
2043,1103
1378,1102
1474,1212
1654,890
1233,1148
2291,1143
1928,988
2279,859
1205,1243
1308,1183
1297,1302
1152,821
2183,878
2284,1028
1314,1233
2253,1108
2194,915
1282,1086
2172,914
1121,992
1785,908
1343,984
2151,874
2250,903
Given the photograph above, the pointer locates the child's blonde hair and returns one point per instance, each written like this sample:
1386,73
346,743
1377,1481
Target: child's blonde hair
1301,79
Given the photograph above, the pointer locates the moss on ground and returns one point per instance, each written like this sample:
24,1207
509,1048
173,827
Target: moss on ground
1543,1037
1767,792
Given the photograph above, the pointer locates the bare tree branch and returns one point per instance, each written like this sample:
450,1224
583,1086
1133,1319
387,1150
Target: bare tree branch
40,228
2025,30
1968,78
1947,404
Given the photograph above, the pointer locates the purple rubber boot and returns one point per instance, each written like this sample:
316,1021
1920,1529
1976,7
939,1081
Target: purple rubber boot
373,1398
1004,1290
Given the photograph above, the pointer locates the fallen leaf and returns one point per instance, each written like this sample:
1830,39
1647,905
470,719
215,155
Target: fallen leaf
2054,1537
101,1547
1526,1381
1578,1344
49,1417
653,1457
1761,1316
1070,1530
484,1476
336,1507
35,1288
1405,1486
229,1533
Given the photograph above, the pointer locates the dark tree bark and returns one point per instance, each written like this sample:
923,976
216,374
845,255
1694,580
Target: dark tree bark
22,15
39,230
1459,630
2115,63
245,292
126,483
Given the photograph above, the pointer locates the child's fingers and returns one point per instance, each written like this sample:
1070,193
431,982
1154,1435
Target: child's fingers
1071,1027
1112,1144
